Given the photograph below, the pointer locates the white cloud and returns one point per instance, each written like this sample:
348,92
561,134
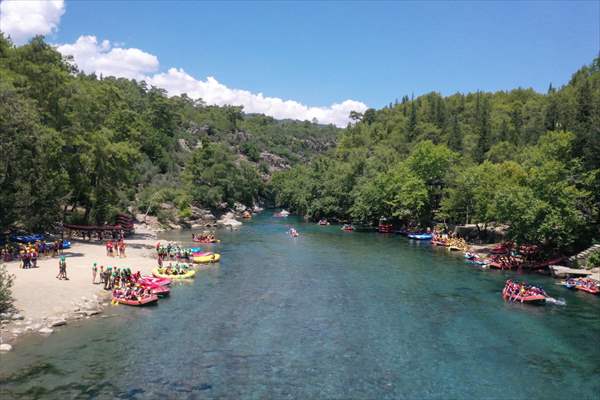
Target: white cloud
101,58
177,81
24,19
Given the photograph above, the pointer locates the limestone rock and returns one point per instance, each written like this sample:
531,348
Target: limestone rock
228,220
57,322
5,348
182,143
239,207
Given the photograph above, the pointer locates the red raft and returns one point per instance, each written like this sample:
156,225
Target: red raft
135,302
157,289
519,292
588,285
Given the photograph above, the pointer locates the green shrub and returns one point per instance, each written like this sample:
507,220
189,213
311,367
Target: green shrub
594,260
6,282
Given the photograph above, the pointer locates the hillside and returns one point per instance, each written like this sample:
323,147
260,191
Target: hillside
527,160
81,148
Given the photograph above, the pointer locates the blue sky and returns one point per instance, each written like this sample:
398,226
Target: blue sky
319,53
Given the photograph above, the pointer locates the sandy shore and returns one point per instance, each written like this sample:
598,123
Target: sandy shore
43,301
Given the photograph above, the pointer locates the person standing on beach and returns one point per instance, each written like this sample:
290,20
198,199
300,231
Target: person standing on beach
62,269
94,273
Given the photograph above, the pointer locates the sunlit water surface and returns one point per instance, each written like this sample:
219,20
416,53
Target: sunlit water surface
327,315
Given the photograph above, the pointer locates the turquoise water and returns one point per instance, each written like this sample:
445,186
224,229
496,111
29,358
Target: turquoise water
331,315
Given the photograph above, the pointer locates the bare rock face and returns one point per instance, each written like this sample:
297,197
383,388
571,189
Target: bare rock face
201,214
183,145
167,206
275,162
239,207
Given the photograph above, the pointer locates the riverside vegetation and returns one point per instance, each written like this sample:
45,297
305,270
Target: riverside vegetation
524,160
80,148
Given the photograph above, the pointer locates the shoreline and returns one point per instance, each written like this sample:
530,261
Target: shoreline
44,303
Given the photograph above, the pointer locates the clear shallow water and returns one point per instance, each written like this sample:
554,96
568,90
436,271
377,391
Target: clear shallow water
327,315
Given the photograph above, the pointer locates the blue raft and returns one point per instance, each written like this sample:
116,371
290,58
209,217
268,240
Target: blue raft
420,236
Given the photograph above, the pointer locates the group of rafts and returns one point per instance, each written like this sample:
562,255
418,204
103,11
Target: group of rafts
513,291
139,290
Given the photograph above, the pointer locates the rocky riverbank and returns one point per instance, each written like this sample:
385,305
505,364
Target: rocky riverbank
45,303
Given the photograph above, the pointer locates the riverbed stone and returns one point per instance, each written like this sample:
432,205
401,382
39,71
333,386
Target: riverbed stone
17,317
57,322
45,330
5,347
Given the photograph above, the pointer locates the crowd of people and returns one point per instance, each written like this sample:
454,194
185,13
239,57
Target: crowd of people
204,237
177,269
521,290
172,251
29,253
116,248
131,291
113,278
587,283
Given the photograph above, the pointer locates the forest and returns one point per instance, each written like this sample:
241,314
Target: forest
80,148
519,159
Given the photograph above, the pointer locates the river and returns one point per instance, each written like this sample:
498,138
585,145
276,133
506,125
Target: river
331,315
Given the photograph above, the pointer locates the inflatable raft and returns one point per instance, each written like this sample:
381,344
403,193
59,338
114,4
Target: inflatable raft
531,299
207,241
420,236
141,302
202,258
151,280
188,275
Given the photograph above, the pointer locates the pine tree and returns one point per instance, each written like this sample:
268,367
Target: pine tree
411,128
484,130
455,140
551,115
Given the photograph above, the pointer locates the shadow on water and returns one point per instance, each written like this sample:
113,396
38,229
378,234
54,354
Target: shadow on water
329,314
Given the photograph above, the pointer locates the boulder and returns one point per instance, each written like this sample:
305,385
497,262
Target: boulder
228,220
57,322
17,317
182,143
5,348
239,207
46,331
167,206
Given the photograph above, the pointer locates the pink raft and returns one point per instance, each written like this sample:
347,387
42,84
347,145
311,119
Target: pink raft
153,281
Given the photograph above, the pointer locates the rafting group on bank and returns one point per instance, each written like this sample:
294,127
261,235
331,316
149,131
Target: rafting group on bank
174,263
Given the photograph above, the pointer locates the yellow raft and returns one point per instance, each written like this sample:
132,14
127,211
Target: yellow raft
209,258
188,275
